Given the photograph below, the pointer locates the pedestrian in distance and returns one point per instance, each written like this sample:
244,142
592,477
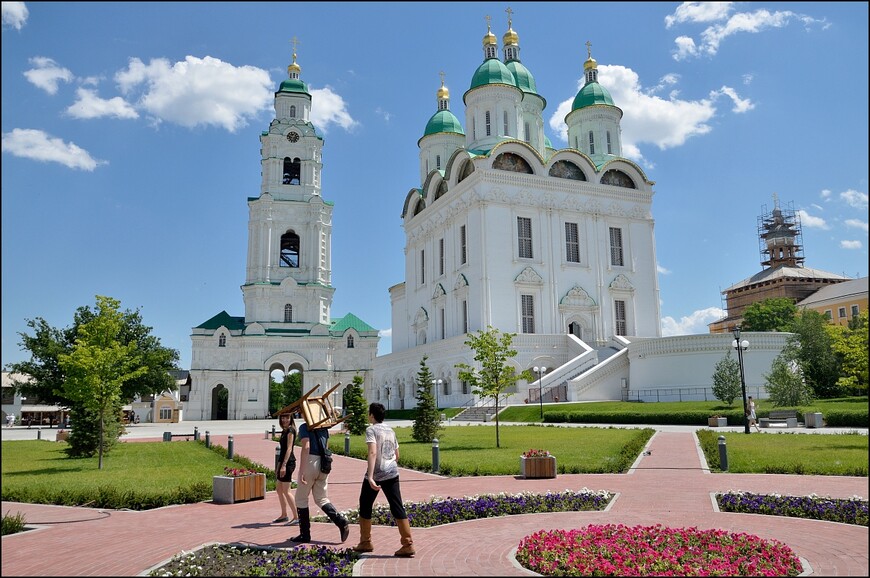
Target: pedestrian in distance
284,469
382,472
750,413
313,481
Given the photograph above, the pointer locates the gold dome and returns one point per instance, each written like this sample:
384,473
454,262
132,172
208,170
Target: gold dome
510,38
293,67
443,92
591,63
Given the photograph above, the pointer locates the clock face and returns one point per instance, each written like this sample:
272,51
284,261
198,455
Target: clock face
292,136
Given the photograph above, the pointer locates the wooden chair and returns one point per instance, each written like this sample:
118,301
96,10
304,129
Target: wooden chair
316,410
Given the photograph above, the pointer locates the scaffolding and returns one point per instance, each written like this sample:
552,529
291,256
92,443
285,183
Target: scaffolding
779,236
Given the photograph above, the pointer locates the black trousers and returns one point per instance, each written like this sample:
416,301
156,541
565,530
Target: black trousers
391,491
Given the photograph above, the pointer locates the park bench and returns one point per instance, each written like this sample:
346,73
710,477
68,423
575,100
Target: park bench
167,436
788,417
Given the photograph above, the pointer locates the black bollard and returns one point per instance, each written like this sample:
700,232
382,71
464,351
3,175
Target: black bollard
230,447
207,439
277,458
273,430
39,434
347,443
436,456
195,433
723,454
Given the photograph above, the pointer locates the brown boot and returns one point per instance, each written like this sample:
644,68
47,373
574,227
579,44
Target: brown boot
365,536
407,549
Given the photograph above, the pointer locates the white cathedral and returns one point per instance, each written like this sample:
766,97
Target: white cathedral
503,231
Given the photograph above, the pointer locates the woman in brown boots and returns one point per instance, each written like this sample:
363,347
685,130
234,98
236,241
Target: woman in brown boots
382,472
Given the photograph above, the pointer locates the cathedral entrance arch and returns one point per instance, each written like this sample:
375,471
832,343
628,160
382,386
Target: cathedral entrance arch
220,402
285,385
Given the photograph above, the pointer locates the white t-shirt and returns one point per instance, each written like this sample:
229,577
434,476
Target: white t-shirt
383,435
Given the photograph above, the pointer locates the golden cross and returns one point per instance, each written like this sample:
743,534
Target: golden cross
487,22
441,74
294,41
589,48
509,13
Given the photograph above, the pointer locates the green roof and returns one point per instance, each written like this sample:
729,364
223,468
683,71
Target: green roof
294,85
350,321
592,93
492,71
224,319
547,142
524,79
443,121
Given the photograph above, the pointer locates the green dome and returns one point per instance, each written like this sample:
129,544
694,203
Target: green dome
492,71
443,121
524,78
592,93
547,142
294,85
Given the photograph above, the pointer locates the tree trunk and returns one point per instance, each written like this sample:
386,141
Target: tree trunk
100,448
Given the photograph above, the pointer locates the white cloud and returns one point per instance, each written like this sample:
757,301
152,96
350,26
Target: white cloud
855,198
40,146
198,91
698,12
386,332
826,194
857,224
89,105
747,79
694,323
851,244
47,74
740,105
384,114
811,222
327,107
662,270
664,122
713,35
14,14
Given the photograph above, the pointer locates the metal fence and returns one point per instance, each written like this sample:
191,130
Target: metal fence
684,394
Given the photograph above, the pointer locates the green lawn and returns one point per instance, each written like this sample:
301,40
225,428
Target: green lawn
785,453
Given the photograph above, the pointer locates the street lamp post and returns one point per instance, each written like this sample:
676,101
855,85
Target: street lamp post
387,387
540,371
436,383
741,346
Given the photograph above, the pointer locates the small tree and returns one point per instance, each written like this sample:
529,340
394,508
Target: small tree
492,350
427,421
785,383
355,407
726,379
100,364
815,354
850,346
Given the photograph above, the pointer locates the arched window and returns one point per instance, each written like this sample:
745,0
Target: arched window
506,124
292,111
292,171
609,144
617,179
512,162
567,170
528,133
438,161
222,340
350,341
488,124
591,143
288,313
289,250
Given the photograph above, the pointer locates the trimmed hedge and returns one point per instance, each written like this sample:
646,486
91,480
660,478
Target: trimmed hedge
834,418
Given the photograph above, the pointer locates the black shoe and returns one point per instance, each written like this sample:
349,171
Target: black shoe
304,536
301,539
345,531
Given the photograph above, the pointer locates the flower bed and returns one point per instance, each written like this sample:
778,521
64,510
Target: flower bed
231,560
846,510
618,550
438,511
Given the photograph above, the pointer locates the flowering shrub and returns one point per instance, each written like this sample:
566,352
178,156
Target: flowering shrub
536,454
438,511
230,560
618,550
237,472
848,511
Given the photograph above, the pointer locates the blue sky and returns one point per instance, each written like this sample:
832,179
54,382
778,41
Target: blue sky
130,139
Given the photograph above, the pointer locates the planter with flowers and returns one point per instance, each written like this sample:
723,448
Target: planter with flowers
238,485
717,421
537,464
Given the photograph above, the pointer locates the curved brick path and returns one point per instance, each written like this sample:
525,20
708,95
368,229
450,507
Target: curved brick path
670,486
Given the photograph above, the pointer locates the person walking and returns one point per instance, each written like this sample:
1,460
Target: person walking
313,480
284,469
382,472
750,412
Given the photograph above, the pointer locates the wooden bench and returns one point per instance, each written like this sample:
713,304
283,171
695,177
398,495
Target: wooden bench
788,417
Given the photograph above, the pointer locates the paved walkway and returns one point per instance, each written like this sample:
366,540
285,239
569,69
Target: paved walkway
670,486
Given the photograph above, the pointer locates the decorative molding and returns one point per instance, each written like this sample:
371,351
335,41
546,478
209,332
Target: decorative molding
621,283
439,291
461,282
529,277
577,297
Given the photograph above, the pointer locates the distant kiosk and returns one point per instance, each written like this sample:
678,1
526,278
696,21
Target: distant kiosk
317,411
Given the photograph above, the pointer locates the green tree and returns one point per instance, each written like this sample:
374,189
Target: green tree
99,364
492,350
283,393
785,384
726,379
775,314
427,420
815,354
45,378
850,346
355,407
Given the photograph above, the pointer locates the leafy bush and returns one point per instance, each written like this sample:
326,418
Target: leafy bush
847,418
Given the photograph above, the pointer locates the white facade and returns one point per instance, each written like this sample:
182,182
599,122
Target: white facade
288,291
556,246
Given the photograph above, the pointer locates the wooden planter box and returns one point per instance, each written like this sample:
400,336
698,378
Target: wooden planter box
538,467
229,489
717,421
